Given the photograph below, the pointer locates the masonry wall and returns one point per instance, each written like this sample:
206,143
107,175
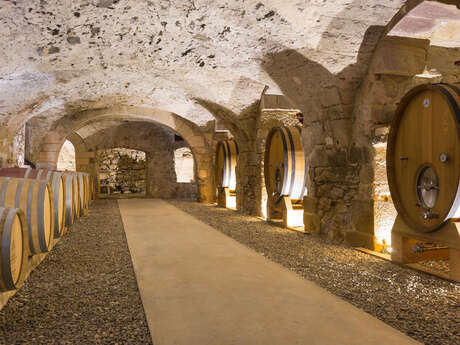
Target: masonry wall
121,171
159,144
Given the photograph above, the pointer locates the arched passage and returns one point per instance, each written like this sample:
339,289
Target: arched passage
90,120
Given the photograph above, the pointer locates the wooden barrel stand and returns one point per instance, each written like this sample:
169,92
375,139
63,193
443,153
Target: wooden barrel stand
423,168
285,173
226,160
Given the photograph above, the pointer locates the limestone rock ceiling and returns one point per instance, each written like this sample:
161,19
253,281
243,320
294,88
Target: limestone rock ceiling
440,23
59,57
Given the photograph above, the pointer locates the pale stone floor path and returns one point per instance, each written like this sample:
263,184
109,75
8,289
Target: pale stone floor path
199,286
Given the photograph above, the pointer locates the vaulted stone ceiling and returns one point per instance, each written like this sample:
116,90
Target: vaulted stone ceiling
440,23
60,57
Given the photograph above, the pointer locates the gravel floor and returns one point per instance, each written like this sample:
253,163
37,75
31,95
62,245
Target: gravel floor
424,307
84,292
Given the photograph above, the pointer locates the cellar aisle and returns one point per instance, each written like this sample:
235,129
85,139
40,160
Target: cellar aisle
200,287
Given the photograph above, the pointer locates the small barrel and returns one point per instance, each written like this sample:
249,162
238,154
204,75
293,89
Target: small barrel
226,160
285,167
423,156
71,198
57,186
55,178
83,193
14,249
87,178
35,198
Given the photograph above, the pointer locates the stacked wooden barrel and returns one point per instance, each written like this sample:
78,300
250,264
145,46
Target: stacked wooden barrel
225,174
14,249
55,178
36,207
36,199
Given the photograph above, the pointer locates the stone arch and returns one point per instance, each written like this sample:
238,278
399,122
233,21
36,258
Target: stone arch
398,64
197,139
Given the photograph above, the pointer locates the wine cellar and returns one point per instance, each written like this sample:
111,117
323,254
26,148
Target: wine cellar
230,172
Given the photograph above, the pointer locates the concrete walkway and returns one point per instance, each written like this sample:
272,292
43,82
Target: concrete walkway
200,287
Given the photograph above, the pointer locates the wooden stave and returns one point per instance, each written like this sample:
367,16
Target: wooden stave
38,205
86,176
295,165
69,182
76,196
82,190
451,93
57,186
55,178
7,218
230,151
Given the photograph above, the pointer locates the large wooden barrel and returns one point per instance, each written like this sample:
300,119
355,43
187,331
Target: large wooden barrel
57,186
423,156
14,248
285,167
35,198
226,160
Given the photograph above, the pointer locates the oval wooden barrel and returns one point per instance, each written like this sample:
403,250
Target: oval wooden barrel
57,185
226,160
423,156
71,198
285,167
35,198
14,249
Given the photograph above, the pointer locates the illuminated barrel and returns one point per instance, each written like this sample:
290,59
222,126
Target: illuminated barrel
423,156
285,167
35,199
226,159
14,249
57,185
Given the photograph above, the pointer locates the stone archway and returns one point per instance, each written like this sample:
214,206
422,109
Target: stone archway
192,134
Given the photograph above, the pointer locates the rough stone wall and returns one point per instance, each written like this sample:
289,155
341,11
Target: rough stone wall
399,64
66,160
121,171
158,142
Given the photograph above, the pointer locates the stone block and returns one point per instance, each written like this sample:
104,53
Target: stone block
362,215
312,223
401,56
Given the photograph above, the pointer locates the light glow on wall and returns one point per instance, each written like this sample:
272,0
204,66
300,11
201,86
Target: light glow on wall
295,218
